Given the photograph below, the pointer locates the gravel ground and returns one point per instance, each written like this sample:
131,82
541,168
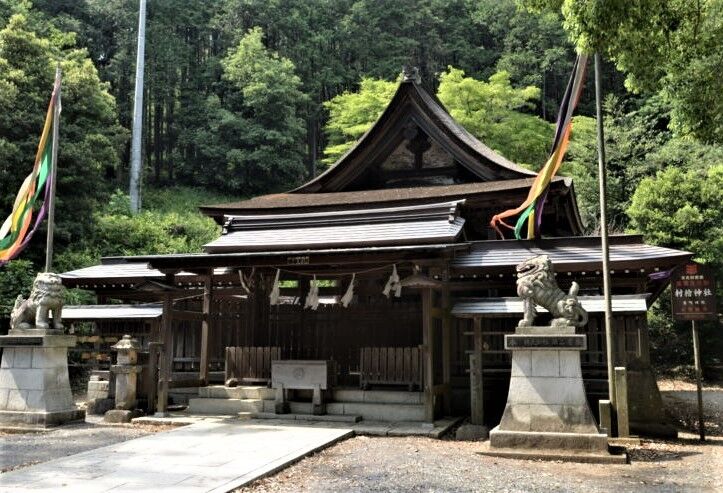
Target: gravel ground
408,464
365,464
24,449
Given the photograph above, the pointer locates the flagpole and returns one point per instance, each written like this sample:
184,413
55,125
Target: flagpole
136,169
53,174
609,336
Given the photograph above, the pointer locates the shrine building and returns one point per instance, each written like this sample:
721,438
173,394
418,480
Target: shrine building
414,196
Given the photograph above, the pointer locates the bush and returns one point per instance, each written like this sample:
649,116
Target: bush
16,278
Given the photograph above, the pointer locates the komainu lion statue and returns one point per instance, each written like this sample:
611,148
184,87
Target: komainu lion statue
47,296
536,285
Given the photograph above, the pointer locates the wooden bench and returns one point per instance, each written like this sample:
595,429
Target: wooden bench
250,364
391,366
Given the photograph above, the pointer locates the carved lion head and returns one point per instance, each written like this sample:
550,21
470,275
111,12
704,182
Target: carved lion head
47,285
533,265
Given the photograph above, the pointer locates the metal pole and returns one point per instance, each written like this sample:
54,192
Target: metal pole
136,138
698,377
609,337
53,174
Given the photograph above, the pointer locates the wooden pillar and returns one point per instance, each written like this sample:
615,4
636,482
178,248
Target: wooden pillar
206,328
428,351
476,377
621,390
447,348
166,360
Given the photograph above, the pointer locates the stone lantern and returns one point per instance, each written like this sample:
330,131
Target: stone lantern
125,372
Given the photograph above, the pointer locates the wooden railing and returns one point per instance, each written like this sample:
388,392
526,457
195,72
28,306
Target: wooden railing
250,364
391,366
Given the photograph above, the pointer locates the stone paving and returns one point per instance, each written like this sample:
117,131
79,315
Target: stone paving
208,456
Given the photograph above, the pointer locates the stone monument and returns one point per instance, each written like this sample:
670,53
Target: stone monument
547,414
34,384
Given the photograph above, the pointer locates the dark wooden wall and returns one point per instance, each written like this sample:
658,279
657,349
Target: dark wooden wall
630,331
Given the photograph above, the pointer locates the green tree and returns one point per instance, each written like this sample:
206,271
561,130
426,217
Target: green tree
90,137
672,46
265,93
493,112
352,113
681,209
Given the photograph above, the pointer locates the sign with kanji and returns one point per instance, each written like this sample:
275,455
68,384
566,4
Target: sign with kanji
693,291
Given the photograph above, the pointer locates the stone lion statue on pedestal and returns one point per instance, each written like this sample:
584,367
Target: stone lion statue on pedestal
46,297
536,284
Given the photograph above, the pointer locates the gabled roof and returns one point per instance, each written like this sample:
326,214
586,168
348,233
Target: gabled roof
293,202
420,224
411,103
627,252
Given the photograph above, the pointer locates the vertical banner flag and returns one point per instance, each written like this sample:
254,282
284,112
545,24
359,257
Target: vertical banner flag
531,208
19,227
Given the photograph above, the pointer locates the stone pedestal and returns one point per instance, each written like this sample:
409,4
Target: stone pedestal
34,384
547,414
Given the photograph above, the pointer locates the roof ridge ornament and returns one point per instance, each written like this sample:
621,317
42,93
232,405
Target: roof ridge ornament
411,74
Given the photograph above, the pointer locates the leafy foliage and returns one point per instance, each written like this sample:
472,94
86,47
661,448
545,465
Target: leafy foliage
16,278
681,209
493,112
89,130
353,113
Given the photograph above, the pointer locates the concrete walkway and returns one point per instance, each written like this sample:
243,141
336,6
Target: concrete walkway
209,456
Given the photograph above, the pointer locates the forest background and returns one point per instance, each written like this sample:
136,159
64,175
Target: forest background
244,97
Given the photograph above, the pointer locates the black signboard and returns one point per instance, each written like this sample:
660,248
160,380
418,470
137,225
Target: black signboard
530,341
693,291
11,341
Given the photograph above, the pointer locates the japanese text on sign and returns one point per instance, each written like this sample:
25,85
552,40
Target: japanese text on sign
693,291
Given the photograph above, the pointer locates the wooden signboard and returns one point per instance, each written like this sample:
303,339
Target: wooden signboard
693,292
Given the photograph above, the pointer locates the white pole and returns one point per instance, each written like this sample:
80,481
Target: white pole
609,336
53,175
137,137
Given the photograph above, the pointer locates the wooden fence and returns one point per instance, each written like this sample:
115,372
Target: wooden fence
391,366
250,364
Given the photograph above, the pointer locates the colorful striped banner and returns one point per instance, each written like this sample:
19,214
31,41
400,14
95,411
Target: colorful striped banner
18,228
531,208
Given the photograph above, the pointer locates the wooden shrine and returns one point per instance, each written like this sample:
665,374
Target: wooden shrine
415,195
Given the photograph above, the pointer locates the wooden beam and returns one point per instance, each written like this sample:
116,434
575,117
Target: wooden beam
206,329
166,358
447,348
475,376
428,358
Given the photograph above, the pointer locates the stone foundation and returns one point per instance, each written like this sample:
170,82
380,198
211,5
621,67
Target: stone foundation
547,414
34,383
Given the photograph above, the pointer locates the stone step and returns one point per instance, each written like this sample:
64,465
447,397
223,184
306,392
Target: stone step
245,392
367,410
331,418
201,405
377,396
371,411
